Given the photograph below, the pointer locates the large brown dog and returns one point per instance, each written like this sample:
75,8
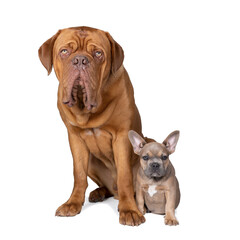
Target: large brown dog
96,103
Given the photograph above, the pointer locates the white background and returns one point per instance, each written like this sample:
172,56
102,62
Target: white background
183,59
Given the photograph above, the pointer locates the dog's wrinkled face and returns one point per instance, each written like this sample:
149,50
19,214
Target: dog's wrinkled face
154,157
154,160
83,59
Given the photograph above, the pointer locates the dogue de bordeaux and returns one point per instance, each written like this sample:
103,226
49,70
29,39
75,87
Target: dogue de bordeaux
96,103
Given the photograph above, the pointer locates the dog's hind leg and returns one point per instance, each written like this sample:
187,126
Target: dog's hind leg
99,194
102,176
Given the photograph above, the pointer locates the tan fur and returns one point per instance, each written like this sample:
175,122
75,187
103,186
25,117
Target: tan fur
98,137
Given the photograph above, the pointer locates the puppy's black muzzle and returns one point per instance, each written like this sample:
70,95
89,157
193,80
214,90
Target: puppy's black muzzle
157,170
155,166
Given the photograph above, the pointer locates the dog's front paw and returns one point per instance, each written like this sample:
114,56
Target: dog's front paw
131,218
171,221
69,209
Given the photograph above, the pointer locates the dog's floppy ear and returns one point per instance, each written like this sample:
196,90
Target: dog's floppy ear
117,54
137,141
45,52
171,141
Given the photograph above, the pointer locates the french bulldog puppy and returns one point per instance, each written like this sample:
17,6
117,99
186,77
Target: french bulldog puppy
157,188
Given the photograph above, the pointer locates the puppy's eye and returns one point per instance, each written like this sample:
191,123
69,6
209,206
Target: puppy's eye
98,54
145,158
164,157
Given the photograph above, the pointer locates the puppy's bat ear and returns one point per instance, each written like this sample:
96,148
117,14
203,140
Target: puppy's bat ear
137,141
116,52
171,141
45,52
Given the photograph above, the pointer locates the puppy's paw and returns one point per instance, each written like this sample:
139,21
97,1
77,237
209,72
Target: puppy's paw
131,218
69,209
171,221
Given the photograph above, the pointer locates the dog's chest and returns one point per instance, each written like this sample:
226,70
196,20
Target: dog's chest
154,199
99,143
152,190
154,193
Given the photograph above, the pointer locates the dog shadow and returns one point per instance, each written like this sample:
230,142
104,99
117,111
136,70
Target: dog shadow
111,202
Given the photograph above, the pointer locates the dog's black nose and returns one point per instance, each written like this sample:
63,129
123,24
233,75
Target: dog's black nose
80,60
155,166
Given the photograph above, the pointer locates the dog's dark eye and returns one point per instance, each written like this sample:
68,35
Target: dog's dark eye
145,158
164,157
